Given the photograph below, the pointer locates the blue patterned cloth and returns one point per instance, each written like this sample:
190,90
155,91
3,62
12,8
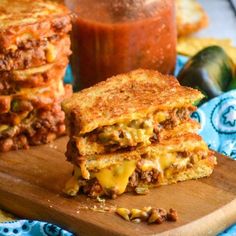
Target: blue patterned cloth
31,228
218,123
218,120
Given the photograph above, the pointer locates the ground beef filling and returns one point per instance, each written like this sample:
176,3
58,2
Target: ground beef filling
31,53
17,104
23,58
72,152
93,189
128,138
43,127
150,177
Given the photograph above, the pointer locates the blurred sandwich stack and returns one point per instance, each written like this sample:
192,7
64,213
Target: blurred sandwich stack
34,50
190,17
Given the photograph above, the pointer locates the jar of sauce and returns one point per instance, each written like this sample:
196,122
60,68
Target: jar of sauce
116,36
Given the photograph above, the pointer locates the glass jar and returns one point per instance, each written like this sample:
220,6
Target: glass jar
116,36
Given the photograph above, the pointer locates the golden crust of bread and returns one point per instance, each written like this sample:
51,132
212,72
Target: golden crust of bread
190,17
200,169
126,97
27,19
13,82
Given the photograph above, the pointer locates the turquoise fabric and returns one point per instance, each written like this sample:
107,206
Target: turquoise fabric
31,228
218,123
218,120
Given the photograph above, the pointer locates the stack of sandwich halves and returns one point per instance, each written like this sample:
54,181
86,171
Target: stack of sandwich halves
133,132
34,50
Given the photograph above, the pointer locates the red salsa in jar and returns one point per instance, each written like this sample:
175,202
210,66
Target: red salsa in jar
116,36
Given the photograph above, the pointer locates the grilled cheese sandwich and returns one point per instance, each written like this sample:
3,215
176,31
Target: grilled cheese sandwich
34,50
134,131
127,111
150,166
127,97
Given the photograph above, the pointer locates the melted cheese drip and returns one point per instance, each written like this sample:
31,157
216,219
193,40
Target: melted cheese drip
72,185
117,176
160,116
51,53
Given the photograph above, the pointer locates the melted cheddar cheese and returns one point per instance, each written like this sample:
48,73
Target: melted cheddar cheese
51,53
138,131
117,176
127,135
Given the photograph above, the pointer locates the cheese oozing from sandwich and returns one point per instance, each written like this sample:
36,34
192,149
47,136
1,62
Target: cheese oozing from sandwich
114,175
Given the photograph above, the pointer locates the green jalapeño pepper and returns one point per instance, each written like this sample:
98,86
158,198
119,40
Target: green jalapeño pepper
211,71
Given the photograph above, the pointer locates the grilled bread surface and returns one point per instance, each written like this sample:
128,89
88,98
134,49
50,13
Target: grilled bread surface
126,97
28,20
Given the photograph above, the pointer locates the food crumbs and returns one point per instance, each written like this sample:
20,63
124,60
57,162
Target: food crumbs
150,215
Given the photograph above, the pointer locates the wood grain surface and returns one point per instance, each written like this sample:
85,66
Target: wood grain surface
31,182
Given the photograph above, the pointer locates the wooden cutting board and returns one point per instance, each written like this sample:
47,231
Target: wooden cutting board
31,183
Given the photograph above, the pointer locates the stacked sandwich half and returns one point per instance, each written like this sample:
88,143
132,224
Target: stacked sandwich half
133,132
34,50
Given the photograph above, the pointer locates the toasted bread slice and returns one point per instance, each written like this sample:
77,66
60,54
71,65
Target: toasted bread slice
124,98
15,81
191,17
177,159
28,98
22,22
48,51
